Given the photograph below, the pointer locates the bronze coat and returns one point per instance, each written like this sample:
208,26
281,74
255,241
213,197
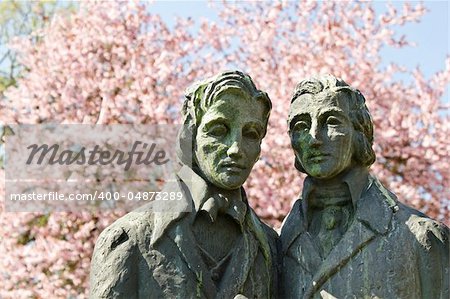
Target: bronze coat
148,255
389,251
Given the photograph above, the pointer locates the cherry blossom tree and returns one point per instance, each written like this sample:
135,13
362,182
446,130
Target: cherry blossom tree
113,62
21,18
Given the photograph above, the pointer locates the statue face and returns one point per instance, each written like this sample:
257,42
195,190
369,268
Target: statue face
228,140
322,133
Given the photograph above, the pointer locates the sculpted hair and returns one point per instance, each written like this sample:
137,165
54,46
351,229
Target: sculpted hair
201,95
359,114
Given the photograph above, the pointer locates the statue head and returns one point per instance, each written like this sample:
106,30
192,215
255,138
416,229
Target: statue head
330,127
224,120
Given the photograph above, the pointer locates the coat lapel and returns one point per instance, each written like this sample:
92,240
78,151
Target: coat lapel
182,236
252,242
239,266
168,212
307,254
356,237
292,227
184,239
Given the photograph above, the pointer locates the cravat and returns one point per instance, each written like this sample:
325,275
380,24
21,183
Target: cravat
330,210
214,205
219,204
333,222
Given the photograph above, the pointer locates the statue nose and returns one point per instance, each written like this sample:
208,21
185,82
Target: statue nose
235,149
314,133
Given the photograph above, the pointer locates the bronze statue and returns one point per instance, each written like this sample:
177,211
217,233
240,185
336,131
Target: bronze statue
218,248
348,236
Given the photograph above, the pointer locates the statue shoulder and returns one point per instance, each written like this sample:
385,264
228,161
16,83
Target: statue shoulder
113,269
427,231
431,243
128,229
113,235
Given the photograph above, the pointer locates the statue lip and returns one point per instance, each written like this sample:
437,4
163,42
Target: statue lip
317,156
232,165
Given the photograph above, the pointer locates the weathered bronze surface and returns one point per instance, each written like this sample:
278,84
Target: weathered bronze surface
348,236
218,248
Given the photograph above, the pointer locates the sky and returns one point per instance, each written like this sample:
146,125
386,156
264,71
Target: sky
431,35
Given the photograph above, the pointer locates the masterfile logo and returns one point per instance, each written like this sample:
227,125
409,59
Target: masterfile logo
67,167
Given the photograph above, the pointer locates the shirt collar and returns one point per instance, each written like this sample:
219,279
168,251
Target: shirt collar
201,192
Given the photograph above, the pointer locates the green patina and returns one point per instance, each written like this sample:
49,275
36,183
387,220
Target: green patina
199,284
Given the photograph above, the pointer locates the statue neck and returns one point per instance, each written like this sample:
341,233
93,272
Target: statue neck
332,192
330,195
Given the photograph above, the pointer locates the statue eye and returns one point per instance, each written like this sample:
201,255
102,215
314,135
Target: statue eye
300,126
252,134
333,121
217,130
